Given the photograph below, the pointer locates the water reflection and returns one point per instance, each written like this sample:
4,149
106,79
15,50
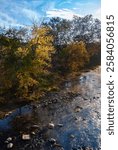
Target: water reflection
80,117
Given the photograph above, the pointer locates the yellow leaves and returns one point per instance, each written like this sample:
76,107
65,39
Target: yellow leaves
31,78
41,36
26,84
28,65
77,56
22,52
42,41
25,80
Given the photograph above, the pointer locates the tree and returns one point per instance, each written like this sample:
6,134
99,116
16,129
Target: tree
72,58
60,30
78,56
94,51
26,66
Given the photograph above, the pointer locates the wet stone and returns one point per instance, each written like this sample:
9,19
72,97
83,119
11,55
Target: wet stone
51,125
85,98
33,133
57,145
9,139
26,137
35,126
72,136
9,145
52,141
78,109
60,125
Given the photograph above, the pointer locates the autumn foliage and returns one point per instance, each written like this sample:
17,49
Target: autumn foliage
25,66
29,67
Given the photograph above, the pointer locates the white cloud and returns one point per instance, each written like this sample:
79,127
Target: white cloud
7,18
5,24
7,21
32,15
62,13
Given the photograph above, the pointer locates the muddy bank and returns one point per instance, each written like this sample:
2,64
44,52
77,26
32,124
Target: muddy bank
65,120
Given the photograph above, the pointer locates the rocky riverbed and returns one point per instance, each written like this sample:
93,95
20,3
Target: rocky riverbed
65,120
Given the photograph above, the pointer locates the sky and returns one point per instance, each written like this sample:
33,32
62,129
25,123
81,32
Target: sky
21,13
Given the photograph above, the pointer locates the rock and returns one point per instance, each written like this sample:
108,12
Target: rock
35,126
82,78
26,137
85,98
78,109
9,145
60,125
51,125
72,136
9,139
33,133
7,114
52,141
57,145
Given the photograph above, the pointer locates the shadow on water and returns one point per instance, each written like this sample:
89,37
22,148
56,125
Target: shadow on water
79,117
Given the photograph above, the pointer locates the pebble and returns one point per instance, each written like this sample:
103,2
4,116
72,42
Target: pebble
26,137
35,126
9,113
9,139
60,125
57,145
6,115
51,125
72,136
52,141
9,145
78,109
33,133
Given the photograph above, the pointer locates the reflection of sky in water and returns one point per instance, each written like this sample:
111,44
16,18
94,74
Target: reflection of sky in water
5,123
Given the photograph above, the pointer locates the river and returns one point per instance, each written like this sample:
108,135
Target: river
65,120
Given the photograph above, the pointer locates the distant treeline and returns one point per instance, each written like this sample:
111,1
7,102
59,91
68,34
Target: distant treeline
34,61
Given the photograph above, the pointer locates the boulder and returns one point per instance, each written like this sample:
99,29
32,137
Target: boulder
26,137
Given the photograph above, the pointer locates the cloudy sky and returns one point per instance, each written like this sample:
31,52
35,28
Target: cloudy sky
25,12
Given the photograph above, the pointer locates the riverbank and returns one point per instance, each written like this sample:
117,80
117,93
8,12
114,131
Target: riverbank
69,119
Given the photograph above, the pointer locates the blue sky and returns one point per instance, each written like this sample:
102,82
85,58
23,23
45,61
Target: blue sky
25,12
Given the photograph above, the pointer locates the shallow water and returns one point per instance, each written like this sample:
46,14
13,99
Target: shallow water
79,116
